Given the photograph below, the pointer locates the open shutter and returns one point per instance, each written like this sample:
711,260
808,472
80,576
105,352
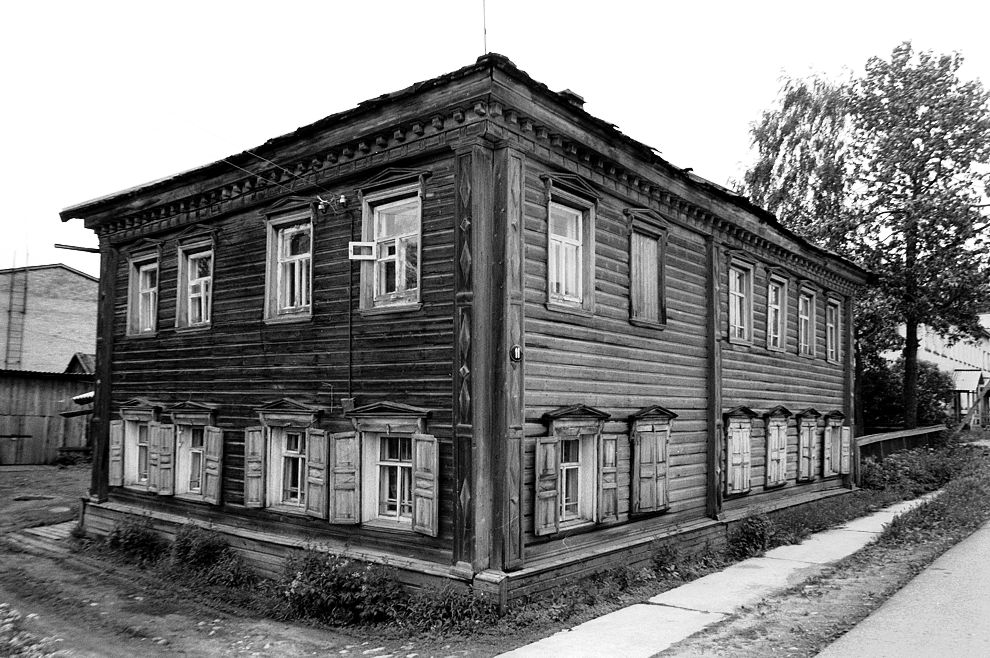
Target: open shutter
166,460
316,473
546,513
747,456
213,437
844,465
827,452
345,493
608,478
254,467
116,465
426,476
154,447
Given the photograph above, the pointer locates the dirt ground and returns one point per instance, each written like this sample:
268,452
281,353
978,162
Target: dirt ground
40,495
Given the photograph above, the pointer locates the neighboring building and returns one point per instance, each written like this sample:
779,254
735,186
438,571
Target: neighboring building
466,329
47,314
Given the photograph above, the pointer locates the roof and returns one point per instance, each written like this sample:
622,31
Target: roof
967,380
32,268
86,363
487,62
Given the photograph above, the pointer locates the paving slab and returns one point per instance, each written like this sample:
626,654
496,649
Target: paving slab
873,523
824,547
743,583
640,630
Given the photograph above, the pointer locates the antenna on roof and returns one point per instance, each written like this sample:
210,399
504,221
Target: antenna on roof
484,26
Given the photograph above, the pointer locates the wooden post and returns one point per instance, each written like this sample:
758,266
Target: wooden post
100,420
713,498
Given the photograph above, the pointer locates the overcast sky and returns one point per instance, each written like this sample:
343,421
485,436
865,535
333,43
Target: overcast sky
100,96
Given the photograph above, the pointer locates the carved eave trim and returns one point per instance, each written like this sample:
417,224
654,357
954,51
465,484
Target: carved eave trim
780,411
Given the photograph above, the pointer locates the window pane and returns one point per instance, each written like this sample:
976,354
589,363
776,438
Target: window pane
298,243
565,222
143,462
195,470
202,266
570,451
411,263
397,219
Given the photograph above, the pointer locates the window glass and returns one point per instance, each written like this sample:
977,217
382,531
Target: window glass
570,479
294,254
739,314
395,477
775,315
565,253
397,242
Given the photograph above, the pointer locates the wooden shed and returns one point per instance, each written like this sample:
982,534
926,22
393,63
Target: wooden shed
466,329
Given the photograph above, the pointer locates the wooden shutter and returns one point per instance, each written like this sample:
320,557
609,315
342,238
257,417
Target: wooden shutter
739,457
608,478
116,464
844,465
213,439
645,275
166,459
546,513
254,467
316,473
345,492
776,452
649,492
154,446
426,477
807,449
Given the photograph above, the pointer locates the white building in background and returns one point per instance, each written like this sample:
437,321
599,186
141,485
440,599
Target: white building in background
969,364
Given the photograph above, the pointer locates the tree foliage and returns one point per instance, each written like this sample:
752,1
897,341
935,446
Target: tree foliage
891,168
883,395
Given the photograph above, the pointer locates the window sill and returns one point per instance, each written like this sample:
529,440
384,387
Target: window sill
729,495
187,329
778,350
659,326
386,524
134,486
808,356
143,334
192,497
774,485
287,509
560,307
294,318
388,310
739,341
575,524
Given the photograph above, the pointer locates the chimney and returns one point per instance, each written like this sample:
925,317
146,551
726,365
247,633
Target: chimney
573,98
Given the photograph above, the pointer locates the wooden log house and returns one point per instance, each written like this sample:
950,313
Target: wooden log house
466,329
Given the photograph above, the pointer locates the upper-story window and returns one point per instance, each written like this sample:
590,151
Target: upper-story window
142,316
392,247
806,323
195,293
832,331
647,256
740,303
776,313
290,266
570,244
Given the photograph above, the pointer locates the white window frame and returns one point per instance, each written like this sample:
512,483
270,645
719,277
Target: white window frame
777,330
132,453
806,324
833,331
372,298
833,434
565,257
281,227
142,313
371,480
184,452
740,303
278,452
585,468
581,300
185,295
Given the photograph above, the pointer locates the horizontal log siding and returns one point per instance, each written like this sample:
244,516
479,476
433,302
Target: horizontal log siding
761,379
240,362
606,362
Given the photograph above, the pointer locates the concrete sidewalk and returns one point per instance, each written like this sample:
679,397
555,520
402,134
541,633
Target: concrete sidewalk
647,628
944,611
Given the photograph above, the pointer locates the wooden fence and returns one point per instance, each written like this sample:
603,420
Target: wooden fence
879,446
32,431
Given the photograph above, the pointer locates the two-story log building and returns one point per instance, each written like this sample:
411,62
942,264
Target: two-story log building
466,329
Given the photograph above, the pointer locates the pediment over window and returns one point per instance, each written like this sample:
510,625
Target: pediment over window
289,203
576,412
780,411
193,413
571,183
741,411
656,412
808,413
835,414
143,247
286,412
196,233
389,417
393,177
140,409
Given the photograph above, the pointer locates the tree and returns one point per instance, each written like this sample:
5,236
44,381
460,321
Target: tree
891,168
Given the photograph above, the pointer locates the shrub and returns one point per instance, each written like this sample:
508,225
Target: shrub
335,589
135,540
207,555
883,394
915,471
752,536
442,609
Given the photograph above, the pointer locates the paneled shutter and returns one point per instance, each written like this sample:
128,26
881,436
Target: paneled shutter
254,467
807,451
546,513
608,478
213,437
166,460
345,466
739,458
426,477
650,470
776,453
844,465
316,473
154,447
747,456
116,464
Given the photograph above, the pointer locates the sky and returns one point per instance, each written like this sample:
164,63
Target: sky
100,96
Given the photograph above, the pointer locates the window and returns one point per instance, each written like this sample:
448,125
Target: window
570,244
832,331
290,259
740,304
807,443
647,255
142,316
806,324
577,474
195,294
395,478
392,231
738,450
776,428
137,435
776,314
836,445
